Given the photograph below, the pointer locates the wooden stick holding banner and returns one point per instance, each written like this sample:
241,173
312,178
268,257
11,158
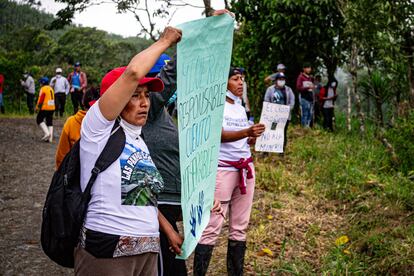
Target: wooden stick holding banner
274,117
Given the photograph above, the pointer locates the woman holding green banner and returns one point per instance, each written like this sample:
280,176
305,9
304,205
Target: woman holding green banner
234,183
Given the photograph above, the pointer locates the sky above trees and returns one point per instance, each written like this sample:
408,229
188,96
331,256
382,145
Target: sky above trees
125,24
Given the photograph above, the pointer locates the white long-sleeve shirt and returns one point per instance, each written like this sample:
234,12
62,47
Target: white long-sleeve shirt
60,84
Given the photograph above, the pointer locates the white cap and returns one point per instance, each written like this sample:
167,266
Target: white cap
281,66
58,70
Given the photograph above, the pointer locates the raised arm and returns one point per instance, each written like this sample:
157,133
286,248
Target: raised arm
168,75
270,78
117,96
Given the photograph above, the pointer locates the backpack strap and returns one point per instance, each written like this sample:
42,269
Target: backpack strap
109,154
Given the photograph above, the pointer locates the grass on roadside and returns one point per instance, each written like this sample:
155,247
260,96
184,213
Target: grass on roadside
328,186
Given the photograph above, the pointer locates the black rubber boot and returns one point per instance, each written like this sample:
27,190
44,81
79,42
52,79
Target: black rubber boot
235,257
202,256
2,109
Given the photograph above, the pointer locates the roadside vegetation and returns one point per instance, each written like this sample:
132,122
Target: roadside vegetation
335,204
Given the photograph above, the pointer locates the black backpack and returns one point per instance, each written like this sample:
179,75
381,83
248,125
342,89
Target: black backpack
66,205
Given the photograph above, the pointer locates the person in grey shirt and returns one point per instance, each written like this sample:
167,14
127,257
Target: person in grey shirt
280,93
61,87
29,87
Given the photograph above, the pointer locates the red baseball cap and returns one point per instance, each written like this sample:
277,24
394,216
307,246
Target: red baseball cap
154,84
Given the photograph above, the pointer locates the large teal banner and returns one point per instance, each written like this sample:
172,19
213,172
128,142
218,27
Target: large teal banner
203,61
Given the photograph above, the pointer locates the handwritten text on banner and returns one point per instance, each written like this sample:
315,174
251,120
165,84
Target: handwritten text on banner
203,61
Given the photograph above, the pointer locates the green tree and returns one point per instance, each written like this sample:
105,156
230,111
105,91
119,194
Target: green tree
14,16
86,45
377,31
292,32
25,45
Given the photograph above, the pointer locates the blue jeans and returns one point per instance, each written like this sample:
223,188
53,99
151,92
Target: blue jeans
307,109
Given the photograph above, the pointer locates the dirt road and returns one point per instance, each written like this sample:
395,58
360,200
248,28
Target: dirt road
27,166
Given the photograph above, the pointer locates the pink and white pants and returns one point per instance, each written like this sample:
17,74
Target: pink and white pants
228,192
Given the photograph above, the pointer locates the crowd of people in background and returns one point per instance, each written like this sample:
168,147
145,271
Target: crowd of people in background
315,100
52,96
74,84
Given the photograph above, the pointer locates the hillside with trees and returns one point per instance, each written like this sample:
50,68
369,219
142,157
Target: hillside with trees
27,44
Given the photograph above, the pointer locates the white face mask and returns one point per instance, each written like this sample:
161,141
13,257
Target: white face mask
333,84
132,130
230,95
281,83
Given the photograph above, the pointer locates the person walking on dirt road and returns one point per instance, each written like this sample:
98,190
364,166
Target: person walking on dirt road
78,83
28,84
45,107
61,87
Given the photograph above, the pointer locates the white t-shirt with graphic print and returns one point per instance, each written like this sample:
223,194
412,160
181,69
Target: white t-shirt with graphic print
123,202
234,119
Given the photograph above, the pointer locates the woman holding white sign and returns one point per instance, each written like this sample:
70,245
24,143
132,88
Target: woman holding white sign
234,183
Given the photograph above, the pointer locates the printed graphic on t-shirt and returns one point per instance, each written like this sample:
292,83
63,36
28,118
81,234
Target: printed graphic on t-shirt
278,97
235,122
140,179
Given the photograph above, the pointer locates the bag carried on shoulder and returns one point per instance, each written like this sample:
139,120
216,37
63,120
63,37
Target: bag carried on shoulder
66,205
